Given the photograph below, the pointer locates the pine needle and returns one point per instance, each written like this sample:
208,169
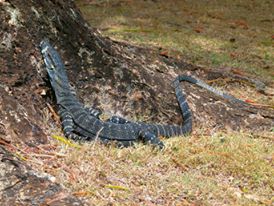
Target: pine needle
66,141
17,154
117,187
83,193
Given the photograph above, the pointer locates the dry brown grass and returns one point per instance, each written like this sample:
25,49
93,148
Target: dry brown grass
216,169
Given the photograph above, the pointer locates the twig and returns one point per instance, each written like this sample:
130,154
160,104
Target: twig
3,142
96,137
48,155
55,115
59,196
258,104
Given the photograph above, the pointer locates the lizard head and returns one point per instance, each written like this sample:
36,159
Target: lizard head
54,66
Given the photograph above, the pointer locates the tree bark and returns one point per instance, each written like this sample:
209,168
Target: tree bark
116,77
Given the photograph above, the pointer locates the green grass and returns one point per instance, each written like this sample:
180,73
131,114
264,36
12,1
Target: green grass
213,34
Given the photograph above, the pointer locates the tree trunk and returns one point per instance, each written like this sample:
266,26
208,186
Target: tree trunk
115,77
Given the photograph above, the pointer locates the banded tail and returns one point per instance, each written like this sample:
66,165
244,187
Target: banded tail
204,85
186,112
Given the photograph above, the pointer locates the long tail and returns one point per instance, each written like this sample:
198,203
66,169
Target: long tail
204,85
176,130
170,130
186,112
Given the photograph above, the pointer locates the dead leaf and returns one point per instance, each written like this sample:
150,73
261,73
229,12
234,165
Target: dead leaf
137,96
233,55
239,24
199,29
238,71
164,53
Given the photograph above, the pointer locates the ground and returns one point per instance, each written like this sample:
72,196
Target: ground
214,166
213,34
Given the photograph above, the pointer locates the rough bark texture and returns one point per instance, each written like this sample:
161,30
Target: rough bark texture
20,185
116,77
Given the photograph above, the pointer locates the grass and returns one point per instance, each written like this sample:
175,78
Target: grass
218,169
206,168
212,34
215,34
222,168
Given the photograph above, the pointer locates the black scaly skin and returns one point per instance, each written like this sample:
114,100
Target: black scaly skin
80,123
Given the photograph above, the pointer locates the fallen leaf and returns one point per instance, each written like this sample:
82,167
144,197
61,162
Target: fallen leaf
233,55
240,24
238,71
164,53
199,29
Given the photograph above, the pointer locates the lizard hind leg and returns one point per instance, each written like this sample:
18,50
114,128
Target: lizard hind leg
94,112
67,125
151,138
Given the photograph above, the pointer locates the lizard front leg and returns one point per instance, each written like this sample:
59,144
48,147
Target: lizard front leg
151,138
